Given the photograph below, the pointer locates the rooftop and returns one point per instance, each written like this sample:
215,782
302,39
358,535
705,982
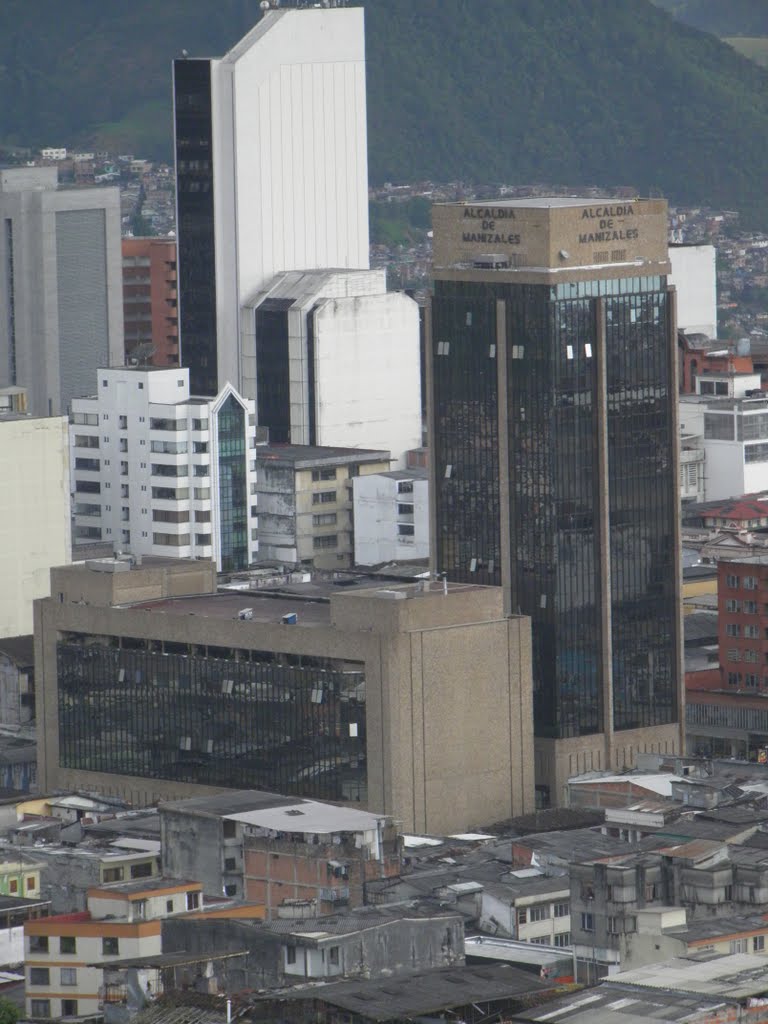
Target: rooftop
419,995
304,456
611,1003
736,976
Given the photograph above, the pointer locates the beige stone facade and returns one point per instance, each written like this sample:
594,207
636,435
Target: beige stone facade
568,236
448,680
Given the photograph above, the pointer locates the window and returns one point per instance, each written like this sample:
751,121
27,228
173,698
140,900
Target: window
561,909
41,1007
587,922
122,422
563,939
733,654
750,607
68,944
324,498
38,943
13,885
193,900
750,582
540,913
113,874
110,946
68,975
650,891
405,530
732,629
140,909
324,543
290,954
39,976
732,582
750,679
522,917
614,926
230,890
732,605
752,632
69,1007
758,943
230,864
734,678
324,519
169,906
739,945
728,894
229,829
324,474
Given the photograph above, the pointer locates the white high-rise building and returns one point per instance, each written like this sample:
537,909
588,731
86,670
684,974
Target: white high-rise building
156,471
61,286
272,173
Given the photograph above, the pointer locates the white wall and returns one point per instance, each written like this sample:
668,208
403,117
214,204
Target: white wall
693,274
367,376
34,514
290,120
376,501
725,470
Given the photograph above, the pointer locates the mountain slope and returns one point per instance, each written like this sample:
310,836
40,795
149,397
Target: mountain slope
567,91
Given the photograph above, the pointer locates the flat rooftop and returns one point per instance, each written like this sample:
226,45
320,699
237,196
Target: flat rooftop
299,454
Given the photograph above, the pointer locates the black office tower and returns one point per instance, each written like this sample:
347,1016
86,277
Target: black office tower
554,436
195,222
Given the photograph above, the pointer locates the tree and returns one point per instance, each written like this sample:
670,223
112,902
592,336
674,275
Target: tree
9,1012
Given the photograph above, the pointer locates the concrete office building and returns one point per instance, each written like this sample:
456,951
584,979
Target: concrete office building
413,701
34,514
734,433
332,359
271,170
150,302
157,471
60,286
554,458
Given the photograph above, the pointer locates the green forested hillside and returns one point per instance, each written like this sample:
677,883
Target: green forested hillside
721,17
563,91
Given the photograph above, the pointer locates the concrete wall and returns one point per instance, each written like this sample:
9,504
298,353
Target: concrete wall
693,274
34,515
367,373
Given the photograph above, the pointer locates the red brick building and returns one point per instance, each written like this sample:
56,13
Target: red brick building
150,302
742,589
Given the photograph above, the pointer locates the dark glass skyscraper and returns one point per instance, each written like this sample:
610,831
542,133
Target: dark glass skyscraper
553,428
195,216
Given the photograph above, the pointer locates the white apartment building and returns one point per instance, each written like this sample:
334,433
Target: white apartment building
732,419
391,516
156,471
332,360
34,514
67,956
271,170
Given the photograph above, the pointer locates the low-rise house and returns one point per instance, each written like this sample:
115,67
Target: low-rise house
65,955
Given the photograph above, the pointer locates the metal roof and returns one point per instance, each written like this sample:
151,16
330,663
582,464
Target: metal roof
417,995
